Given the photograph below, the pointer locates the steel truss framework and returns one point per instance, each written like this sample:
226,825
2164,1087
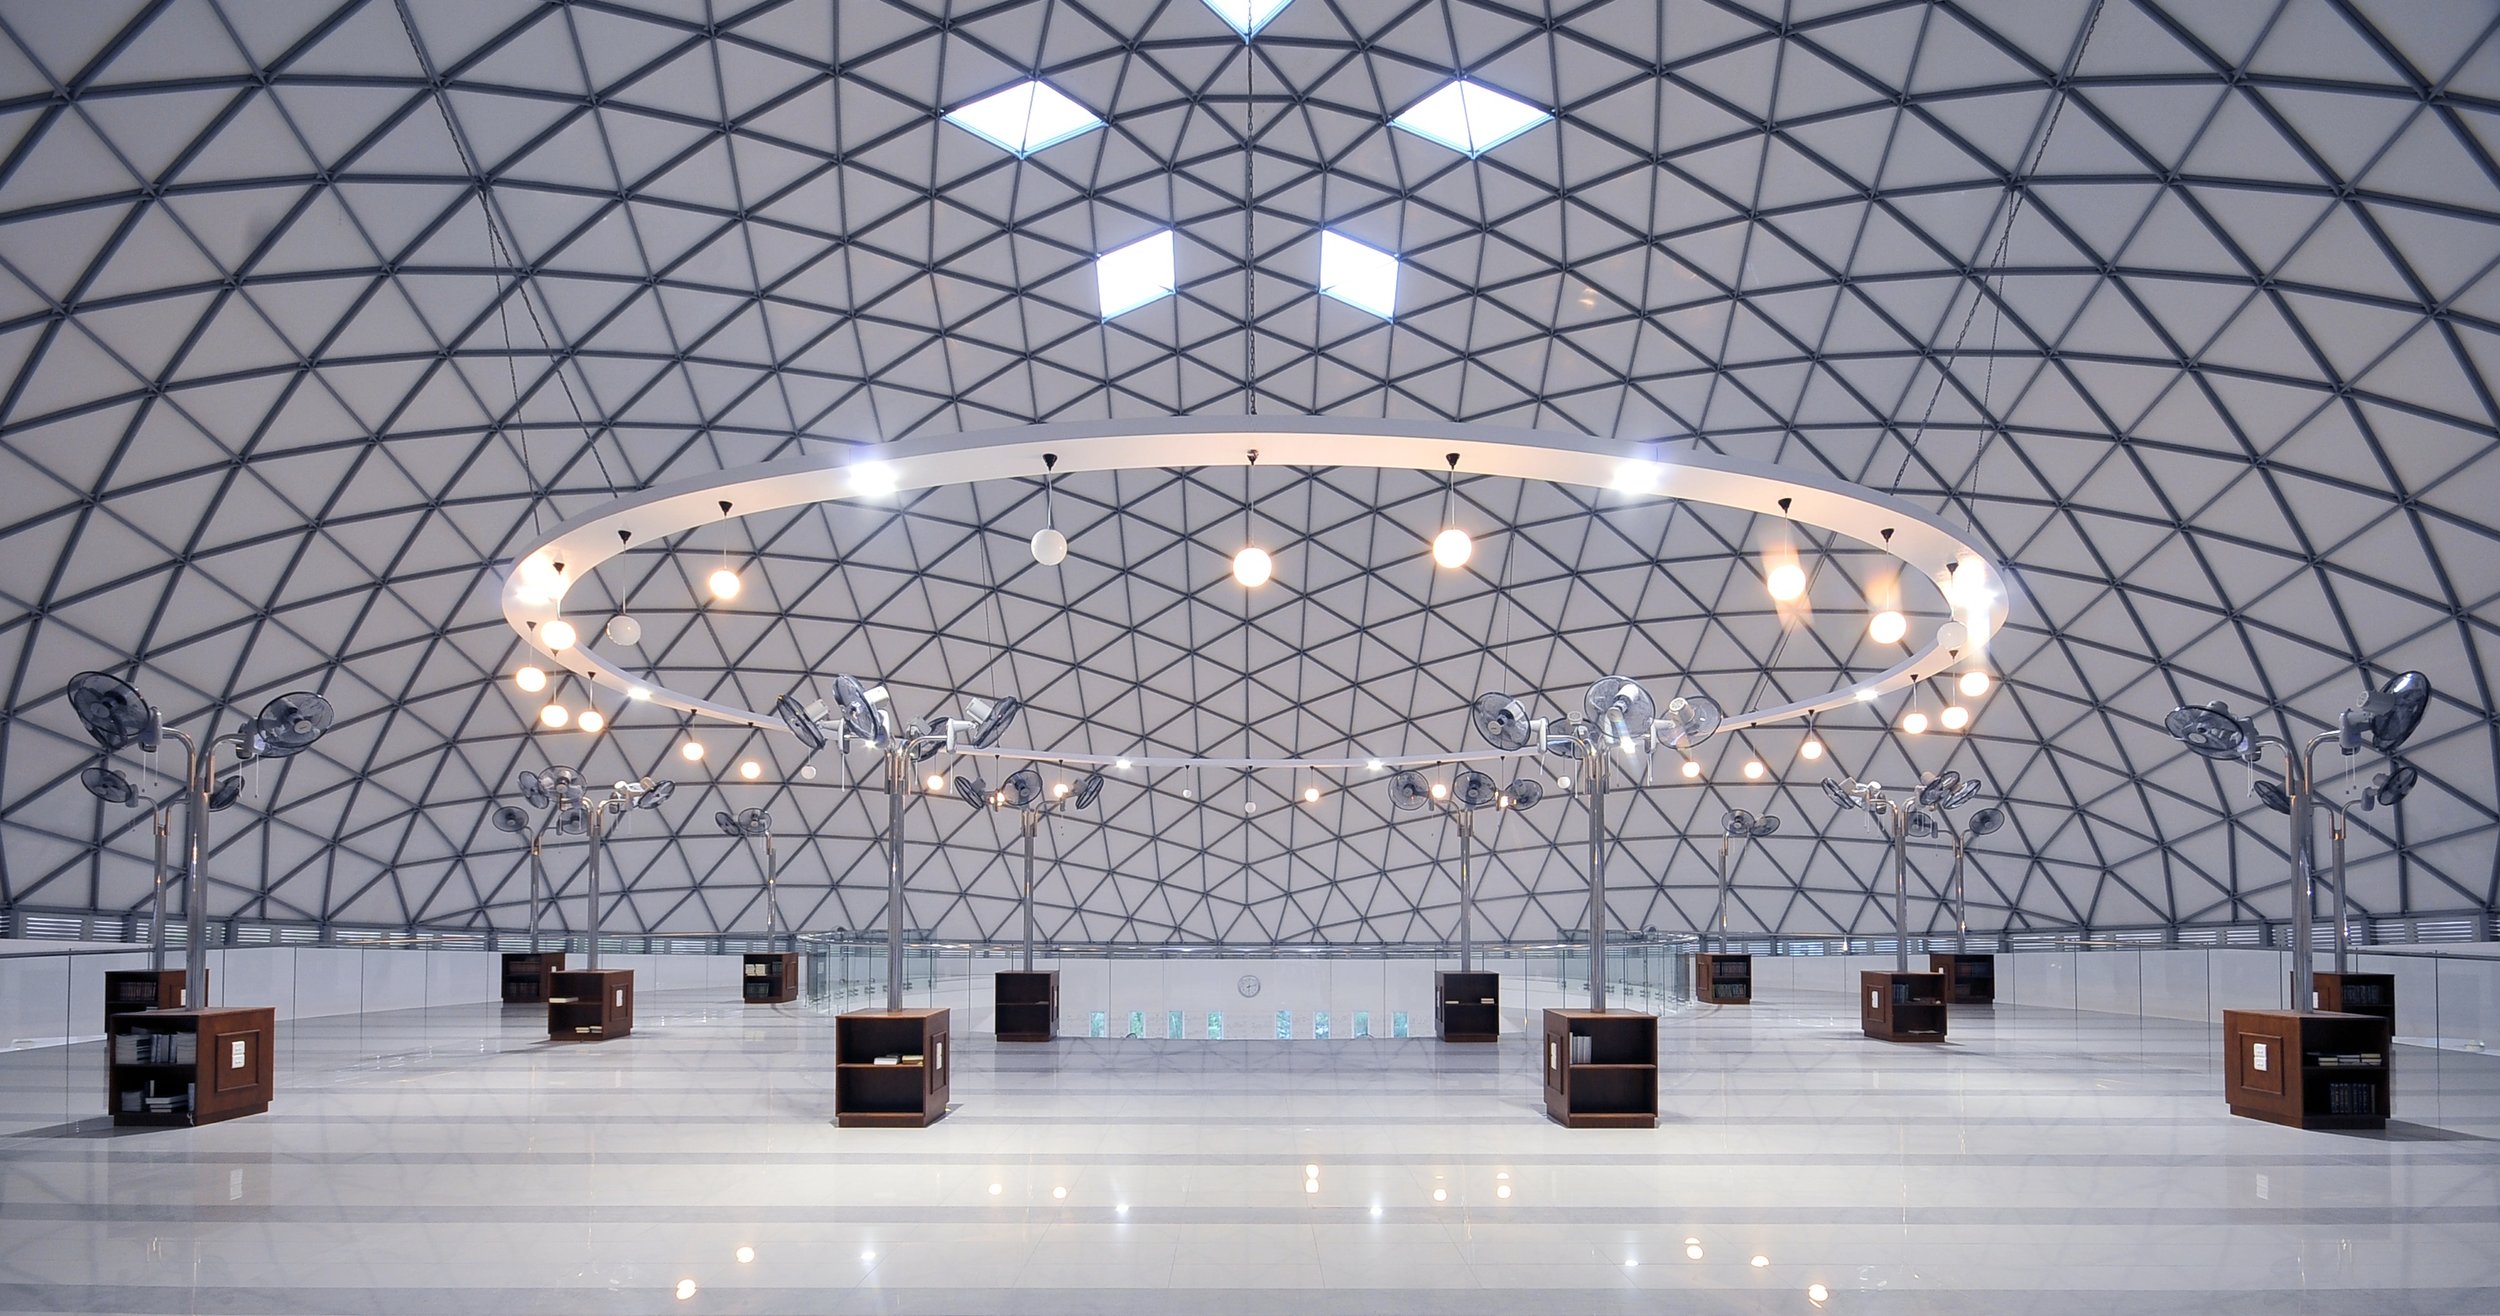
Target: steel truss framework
276,403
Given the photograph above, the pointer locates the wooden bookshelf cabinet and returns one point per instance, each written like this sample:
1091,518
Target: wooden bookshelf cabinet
525,977
2357,993
1027,1004
909,1093
128,991
1902,1007
1467,1007
2309,1069
590,1005
177,1068
1601,1069
769,978
1723,979
1969,979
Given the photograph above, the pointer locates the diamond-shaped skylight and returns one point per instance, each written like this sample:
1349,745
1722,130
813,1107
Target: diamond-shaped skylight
1247,16
1025,118
1134,275
1470,117
1358,275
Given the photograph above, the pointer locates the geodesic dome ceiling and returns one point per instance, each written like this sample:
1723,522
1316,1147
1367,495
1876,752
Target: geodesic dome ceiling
2188,311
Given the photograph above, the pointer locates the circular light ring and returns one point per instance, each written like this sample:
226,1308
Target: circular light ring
1922,542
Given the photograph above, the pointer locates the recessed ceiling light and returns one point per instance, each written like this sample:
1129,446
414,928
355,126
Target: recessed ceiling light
1247,16
1362,277
1470,117
1131,276
1024,118
873,480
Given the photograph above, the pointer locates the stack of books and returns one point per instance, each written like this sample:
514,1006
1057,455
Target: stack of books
146,1048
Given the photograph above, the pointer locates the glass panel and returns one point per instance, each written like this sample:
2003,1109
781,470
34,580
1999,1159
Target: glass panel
1101,1025
1215,1025
1284,1025
1362,1023
1397,1024
1174,1025
1319,1026
1137,1023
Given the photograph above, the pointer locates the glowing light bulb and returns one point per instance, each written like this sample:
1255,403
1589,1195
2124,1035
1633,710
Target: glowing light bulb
1693,1250
554,716
1817,1294
1914,724
1050,548
1753,769
750,769
591,721
691,751
530,679
935,782
724,584
638,692
1439,791
1691,769
1252,567
1787,582
1452,547
1122,764
1974,683
685,1289
745,1255
1955,717
1812,749
540,575
1060,791
558,634
1310,795
1887,627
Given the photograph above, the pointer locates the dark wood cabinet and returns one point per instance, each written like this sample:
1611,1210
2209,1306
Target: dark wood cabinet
2357,993
2309,1069
1467,1007
184,1067
590,1005
1723,979
769,978
1901,1007
128,991
1027,1004
1969,979
890,1068
525,977
1601,1069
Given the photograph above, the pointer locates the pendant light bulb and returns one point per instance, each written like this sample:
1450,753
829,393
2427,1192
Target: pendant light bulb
1887,627
1914,724
691,751
591,721
1691,769
1974,683
750,769
554,716
1811,750
1754,769
530,679
724,584
1452,547
1050,548
1252,567
1955,717
1787,582
558,634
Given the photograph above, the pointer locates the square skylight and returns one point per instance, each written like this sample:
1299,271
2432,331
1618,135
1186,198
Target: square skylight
1470,117
1024,118
1134,275
1358,275
1247,16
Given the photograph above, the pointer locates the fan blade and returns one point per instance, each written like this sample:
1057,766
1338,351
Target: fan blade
1832,789
1475,790
2394,711
728,826
971,791
1089,790
509,818
107,785
1502,721
229,789
1024,787
1766,825
290,724
794,717
1736,822
989,727
1987,820
534,790
112,712
1525,792
2272,795
1408,791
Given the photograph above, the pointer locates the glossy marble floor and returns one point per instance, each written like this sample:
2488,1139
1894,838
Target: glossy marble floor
451,1161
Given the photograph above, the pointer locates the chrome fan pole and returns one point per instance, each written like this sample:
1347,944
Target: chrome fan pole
897,768
2337,819
1032,822
772,892
196,779
1596,775
163,819
598,837
1961,897
538,881
1718,919
1900,890
1466,892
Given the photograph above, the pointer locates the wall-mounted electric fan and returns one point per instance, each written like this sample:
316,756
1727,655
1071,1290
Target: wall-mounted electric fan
113,713
1504,722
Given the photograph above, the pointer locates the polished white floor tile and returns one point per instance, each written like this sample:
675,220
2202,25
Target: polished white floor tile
452,1161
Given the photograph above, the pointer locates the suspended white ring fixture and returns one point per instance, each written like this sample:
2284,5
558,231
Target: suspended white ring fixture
1928,549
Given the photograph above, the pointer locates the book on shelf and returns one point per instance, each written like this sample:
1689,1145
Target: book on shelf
887,1060
1583,1049
150,1048
2351,1099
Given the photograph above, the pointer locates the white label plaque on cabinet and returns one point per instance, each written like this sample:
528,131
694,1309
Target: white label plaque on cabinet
236,1061
2257,1056
620,998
